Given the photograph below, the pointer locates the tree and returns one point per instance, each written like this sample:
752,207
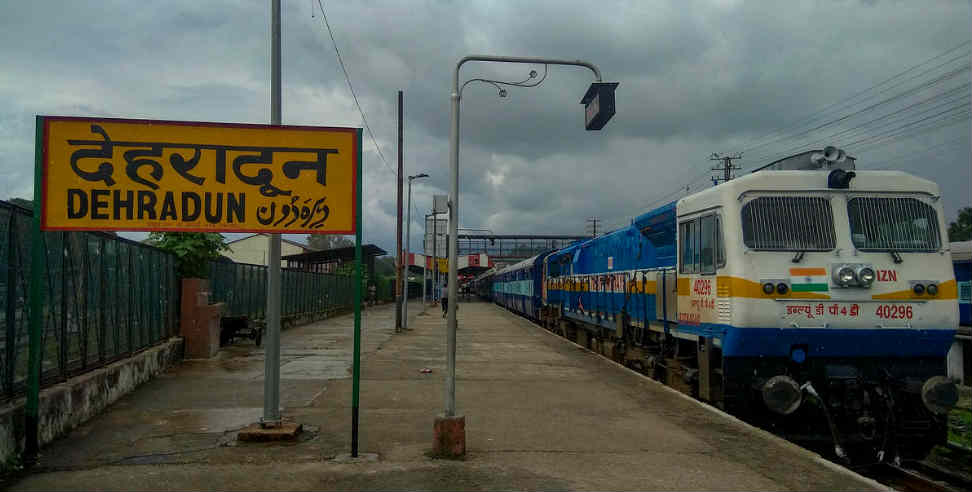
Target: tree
385,265
961,229
329,241
193,250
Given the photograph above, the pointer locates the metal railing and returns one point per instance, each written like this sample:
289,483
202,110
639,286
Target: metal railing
243,287
107,298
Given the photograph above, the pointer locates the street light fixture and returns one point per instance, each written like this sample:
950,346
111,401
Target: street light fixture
408,237
450,429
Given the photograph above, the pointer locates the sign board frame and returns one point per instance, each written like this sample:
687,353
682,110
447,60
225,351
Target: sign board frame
262,184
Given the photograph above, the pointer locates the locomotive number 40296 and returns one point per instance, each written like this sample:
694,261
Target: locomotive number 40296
702,287
894,311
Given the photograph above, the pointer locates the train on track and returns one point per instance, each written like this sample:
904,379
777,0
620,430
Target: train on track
810,298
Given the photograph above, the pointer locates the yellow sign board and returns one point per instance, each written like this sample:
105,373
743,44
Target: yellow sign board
143,175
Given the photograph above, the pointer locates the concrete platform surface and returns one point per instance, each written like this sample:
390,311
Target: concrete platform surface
541,414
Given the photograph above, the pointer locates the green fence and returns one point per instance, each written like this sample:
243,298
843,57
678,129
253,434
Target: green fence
106,298
243,288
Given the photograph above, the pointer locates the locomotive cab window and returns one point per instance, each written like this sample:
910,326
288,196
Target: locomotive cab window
720,244
700,245
893,224
688,245
707,244
787,223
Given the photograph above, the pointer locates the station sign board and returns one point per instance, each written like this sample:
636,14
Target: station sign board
146,175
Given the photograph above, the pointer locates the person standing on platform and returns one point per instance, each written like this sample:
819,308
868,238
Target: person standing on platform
444,295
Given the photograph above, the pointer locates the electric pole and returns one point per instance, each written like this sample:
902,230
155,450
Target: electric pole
727,166
593,223
400,264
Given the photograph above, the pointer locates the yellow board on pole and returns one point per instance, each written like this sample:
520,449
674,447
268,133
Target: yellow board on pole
146,175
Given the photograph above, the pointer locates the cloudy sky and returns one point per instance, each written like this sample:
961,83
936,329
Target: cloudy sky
886,80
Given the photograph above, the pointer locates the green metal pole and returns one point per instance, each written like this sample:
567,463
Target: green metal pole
37,260
356,373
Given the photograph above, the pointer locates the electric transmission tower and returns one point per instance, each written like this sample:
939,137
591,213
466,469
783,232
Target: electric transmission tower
727,166
592,225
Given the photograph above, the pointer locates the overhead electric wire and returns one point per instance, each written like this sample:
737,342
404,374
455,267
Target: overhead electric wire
808,118
681,191
871,146
898,96
942,123
899,115
882,91
351,87
865,130
906,158
770,157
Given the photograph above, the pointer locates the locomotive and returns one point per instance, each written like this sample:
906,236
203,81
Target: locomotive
810,298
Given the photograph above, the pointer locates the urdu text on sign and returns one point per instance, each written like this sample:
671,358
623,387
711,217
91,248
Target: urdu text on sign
114,174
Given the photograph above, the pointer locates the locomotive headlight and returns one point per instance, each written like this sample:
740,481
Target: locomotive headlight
932,289
865,275
845,276
768,288
782,288
920,289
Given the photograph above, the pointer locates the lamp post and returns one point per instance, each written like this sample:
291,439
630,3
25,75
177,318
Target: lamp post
408,237
599,107
430,295
434,295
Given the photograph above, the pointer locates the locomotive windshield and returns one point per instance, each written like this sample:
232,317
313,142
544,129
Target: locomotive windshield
788,223
893,224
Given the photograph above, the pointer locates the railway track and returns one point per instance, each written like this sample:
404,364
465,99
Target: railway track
917,476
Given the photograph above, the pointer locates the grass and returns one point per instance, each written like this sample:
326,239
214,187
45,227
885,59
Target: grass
960,421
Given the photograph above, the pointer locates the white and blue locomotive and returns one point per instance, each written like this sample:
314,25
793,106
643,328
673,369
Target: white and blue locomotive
809,298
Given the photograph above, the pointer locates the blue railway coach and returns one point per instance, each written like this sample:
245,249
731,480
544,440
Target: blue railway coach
518,286
597,280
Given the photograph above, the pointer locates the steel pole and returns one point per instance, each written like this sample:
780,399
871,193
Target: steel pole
425,263
271,375
408,233
38,263
435,257
358,273
450,386
398,229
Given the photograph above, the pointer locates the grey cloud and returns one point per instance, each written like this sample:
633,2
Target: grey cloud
696,77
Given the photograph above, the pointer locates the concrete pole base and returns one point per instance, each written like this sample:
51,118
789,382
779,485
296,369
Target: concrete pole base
286,431
450,437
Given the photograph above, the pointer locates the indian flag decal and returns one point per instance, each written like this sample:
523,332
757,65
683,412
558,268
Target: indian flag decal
808,280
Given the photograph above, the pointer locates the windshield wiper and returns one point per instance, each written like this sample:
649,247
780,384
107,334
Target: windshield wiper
798,256
896,256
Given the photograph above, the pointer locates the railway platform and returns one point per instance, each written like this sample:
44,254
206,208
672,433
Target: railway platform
541,414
